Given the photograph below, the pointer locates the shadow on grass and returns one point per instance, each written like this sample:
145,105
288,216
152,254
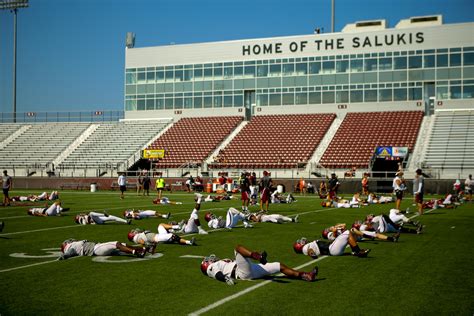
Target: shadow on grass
284,279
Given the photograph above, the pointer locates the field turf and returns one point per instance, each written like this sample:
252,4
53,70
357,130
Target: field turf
426,274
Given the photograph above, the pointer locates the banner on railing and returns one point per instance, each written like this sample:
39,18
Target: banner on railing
153,153
389,151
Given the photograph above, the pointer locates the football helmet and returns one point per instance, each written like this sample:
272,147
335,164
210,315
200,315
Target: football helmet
65,243
206,262
299,244
133,232
156,201
208,216
357,224
325,233
128,213
81,219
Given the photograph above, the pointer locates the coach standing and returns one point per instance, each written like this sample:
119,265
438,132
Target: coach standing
122,183
418,189
160,186
7,183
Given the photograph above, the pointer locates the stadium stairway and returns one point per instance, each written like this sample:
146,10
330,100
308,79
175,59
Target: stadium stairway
451,143
275,142
190,141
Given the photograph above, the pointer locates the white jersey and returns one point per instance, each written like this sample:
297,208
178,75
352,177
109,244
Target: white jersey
216,223
121,181
226,266
313,246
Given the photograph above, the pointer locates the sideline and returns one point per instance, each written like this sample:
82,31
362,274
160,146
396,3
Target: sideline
250,289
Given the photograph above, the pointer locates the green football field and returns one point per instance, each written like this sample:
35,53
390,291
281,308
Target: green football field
427,274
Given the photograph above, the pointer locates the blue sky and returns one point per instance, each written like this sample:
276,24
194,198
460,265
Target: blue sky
71,52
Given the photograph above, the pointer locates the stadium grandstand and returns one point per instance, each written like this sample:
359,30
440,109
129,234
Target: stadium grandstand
311,104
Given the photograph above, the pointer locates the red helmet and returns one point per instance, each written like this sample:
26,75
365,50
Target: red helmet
357,224
299,244
206,262
81,219
133,232
65,243
208,216
325,233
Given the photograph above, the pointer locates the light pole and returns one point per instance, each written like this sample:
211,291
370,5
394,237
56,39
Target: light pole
13,6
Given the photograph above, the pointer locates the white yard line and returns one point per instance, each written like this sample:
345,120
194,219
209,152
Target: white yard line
27,266
40,230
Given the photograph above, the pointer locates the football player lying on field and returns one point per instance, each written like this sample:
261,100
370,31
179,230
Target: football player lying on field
227,270
54,209
334,247
263,217
232,219
149,239
165,201
193,225
99,218
140,214
384,224
362,231
72,248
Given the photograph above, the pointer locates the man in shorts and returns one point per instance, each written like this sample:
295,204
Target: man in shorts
7,183
122,183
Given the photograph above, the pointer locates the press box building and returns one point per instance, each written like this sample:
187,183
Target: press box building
420,64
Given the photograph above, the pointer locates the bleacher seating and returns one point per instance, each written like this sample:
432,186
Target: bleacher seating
113,143
359,134
451,145
7,129
275,141
40,144
191,140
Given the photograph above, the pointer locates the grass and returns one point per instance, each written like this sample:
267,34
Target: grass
422,274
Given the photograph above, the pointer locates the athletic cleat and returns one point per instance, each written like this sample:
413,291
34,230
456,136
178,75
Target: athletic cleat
396,237
140,253
247,225
151,249
296,219
193,241
310,276
420,228
106,214
168,215
263,258
363,253
129,221
65,209
202,232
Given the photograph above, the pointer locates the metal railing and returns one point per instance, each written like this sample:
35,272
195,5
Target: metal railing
44,117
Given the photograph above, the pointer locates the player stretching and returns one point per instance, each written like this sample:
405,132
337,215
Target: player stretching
227,270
